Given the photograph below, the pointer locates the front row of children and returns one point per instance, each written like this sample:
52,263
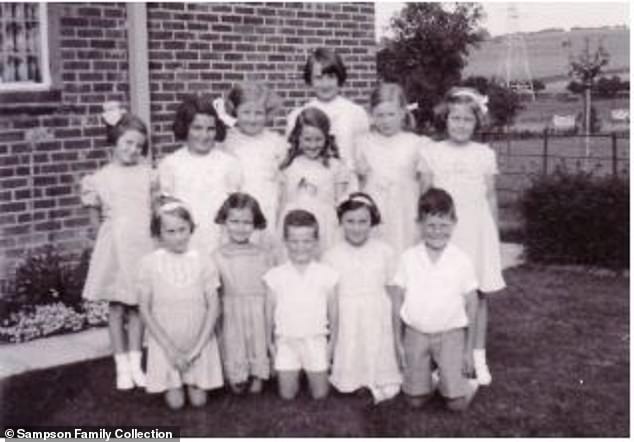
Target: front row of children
349,318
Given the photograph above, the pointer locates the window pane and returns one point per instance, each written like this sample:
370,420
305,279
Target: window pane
20,48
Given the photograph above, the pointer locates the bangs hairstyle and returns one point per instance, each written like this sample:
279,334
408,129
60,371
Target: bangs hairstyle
387,92
314,117
300,218
238,200
187,111
127,122
441,111
357,200
436,202
331,64
252,93
179,210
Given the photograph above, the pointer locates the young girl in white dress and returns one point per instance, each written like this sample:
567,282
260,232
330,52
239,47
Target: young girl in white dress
259,150
119,196
467,169
201,173
177,287
241,265
389,165
314,178
326,74
364,351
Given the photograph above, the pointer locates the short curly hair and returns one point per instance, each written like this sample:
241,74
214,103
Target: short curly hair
187,110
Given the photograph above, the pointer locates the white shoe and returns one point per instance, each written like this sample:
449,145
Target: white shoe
124,380
483,375
134,361
138,377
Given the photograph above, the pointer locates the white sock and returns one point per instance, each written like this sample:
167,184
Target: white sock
134,357
122,362
479,356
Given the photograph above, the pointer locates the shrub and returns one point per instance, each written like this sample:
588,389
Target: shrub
44,298
48,277
577,218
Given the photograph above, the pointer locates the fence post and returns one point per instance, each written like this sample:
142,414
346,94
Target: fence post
545,154
615,168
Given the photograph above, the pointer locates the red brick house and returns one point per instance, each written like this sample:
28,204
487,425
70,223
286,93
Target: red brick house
60,62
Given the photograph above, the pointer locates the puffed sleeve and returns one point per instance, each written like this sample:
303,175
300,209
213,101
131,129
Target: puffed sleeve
89,195
489,161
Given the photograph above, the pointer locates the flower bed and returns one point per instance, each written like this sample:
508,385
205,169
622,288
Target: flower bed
50,319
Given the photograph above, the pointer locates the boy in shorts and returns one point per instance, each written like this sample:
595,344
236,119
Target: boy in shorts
299,307
434,301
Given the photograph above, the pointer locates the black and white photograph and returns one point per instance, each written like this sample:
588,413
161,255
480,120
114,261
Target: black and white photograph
314,219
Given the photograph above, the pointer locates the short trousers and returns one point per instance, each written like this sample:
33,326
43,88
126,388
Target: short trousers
446,350
309,354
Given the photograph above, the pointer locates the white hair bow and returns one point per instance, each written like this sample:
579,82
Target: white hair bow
112,112
412,106
481,100
221,110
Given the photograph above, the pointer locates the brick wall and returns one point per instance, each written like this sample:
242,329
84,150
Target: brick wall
198,47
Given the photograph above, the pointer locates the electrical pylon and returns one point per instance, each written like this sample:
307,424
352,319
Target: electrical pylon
514,67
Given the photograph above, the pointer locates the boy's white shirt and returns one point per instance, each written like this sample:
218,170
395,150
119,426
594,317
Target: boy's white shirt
434,291
301,298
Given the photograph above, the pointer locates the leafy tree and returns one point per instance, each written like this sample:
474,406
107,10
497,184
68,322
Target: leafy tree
504,103
429,50
538,85
575,87
608,87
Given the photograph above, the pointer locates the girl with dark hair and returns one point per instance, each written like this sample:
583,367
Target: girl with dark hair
314,178
200,173
326,74
364,345
241,265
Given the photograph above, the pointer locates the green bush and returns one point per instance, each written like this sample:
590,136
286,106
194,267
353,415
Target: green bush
577,218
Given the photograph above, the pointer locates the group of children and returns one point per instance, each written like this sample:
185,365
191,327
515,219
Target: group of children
333,251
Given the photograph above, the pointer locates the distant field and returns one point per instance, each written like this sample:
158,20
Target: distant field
542,110
548,53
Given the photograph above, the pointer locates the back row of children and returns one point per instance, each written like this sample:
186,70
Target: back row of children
238,191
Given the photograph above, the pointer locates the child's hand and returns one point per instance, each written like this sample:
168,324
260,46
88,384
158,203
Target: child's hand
178,359
468,366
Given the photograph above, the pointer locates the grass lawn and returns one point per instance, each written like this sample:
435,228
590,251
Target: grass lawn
559,353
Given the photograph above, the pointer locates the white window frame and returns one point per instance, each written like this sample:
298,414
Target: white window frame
45,84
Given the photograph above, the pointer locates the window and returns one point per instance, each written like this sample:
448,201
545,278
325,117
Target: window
24,50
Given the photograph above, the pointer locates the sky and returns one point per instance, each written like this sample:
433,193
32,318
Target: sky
533,16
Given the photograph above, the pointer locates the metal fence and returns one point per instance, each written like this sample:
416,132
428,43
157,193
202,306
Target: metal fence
522,157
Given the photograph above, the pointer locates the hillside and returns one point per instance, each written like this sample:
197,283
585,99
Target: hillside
548,52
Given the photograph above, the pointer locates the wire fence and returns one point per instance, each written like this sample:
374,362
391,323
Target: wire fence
521,158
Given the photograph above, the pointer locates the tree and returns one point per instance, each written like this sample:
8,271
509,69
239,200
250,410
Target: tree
429,50
608,87
504,103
